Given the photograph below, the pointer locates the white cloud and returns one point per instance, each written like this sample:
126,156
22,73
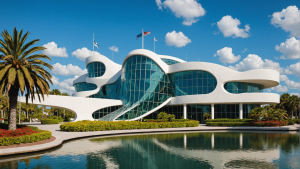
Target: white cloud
64,86
293,69
53,50
229,27
290,49
189,10
280,88
296,94
253,61
83,53
288,19
177,39
292,85
226,55
113,48
245,50
67,70
283,78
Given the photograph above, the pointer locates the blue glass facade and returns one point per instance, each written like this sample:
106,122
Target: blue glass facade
232,110
243,87
105,111
169,61
196,111
83,86
95,69
176,110
109,91
193,82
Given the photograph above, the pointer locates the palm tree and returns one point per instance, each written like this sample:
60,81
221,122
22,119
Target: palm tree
22,70
294,103
256,113
282,115
4,104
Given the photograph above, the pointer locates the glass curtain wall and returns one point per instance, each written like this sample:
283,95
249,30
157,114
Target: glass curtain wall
247,108
242,87
195,112
230,111
83,86
176,110
95,69
144,83
109,91
169,61
105,111
193,82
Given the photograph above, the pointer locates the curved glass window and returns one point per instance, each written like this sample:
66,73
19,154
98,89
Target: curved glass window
243,87
109,91
79,87
193,82
105,111
169,61
144,86
95,69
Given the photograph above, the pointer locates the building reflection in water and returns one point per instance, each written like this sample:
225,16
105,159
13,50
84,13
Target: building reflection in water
178,150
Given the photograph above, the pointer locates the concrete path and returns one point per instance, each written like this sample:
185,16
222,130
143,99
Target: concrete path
63,136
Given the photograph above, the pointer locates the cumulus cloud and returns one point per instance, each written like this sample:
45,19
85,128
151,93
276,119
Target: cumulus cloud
280,88
292,84
226,55
293,69
288,19
177,39
290,49
113,48
245,50
67,70
189,10
83,53
283,78
253,61
53,50
230,27
296,94
64,86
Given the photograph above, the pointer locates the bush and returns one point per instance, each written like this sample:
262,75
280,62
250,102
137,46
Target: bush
60,119
43,135
228,120
227,124
81,126
269,123
296,121
291,122
49,121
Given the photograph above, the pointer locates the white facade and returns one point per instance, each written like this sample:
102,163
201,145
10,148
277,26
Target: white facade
84,107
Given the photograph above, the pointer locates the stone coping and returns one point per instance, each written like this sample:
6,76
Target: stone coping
62,136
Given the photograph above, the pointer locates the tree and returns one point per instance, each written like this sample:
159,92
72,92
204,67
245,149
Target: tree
282,115
207,115
294,103
162,115
22,70
256,113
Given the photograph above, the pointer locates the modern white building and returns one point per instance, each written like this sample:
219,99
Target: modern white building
147,83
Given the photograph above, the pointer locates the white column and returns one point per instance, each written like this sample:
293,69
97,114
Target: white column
212,141
212,111
241,110
184,141
184,111
241,140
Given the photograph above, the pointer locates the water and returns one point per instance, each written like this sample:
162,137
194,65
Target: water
265,150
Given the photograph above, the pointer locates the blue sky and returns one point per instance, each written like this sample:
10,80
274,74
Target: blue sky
210,32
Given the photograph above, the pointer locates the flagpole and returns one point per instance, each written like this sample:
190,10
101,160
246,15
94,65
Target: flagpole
93,44
142,38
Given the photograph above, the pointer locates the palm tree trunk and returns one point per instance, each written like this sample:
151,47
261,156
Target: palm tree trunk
2,114
13,100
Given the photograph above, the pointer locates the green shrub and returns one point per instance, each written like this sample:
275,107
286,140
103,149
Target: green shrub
49,121
164,120
228,120
43,135
60,119
228,123
85,125
296,121
291,122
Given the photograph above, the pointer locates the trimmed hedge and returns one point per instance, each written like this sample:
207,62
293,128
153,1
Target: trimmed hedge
295,121
43,135
82,126
49,121
164,120
291,122
228,120
227,124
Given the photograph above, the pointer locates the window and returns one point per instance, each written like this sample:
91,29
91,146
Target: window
79,87
243,87
95,69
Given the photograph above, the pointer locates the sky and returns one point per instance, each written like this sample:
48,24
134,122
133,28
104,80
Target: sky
241,35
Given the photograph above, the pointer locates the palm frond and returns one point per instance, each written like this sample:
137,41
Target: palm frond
21,80
4,70
12,75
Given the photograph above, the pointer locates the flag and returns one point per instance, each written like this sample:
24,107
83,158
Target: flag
146,33
155,39
139,35
96,44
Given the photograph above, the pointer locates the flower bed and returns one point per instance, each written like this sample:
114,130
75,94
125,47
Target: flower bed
82,126
269,123
23,134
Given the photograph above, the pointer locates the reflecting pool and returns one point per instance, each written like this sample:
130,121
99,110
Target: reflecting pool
265,150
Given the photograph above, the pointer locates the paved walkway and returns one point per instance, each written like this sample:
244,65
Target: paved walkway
63,136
